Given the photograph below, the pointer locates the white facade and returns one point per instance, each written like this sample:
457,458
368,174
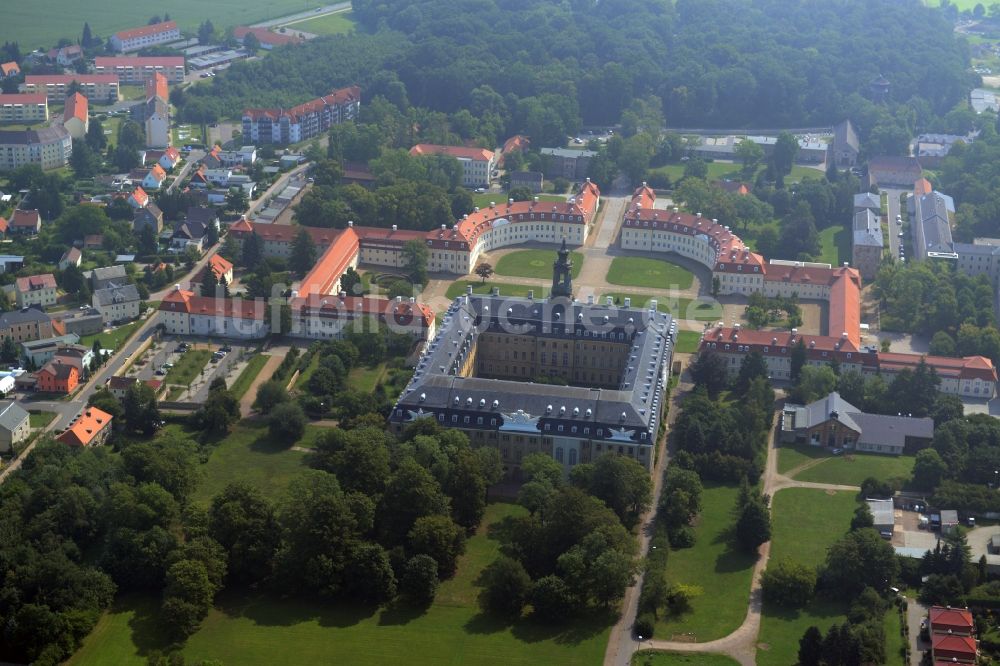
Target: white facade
44,296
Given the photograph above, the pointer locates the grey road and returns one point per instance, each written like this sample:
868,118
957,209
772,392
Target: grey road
894,209
298,174
190,160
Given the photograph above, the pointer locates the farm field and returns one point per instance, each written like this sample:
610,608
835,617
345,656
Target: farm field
250,629
23,21
331,24
649,273
535,264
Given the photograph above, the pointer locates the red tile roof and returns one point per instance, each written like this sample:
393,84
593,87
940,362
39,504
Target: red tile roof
295,113
958,620
9,68
76,107
23,98
140,197
516,142
401,312
88,425
155,29
157,172
948,646
219,265
172,153
969,367
233,308
331,265
3,225
922,186
461,152
33,282
25,218
156,87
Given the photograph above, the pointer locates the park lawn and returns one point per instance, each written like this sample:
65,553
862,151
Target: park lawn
247,454
717,566
835,245
187,367
457,289
681,307
781,629
535,264
365,379
687,342
40,419
174,392
895,641
791,456
339,23
250,372
650,273
484,200
66,19
304,375
250,629
661,658
852,469
114,339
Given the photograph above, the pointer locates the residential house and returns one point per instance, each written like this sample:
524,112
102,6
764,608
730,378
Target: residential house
71,257
192,230
931,216
49,147
28,222
91,428
117,303
28,324
4,226
213,158
477,163
267,39
10,263
951,649
79,356
137,70
883,516
24,108
9,70
220,267
93,242
95,87
284,126
171,156
867,201
107,276
75,117
66,55
138,198
931,149
514,144
217,177
834,423
40,352
732,186
57,377
155,178
15,425
353,173
533,180
119,386
156,114
148,35
566,163
183,313
948,620
36,290
150,217
894,171
867,243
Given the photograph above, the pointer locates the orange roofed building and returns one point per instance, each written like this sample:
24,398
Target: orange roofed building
75,117
284,126
92,428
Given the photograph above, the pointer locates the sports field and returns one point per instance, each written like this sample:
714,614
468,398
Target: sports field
43,22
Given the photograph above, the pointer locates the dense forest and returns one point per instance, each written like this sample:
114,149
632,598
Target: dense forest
547,68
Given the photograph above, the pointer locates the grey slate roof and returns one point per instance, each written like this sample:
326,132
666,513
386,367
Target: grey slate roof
867,228
880,428
12,415
101,277
124,294
867,200
844,136
933,228
567,152
22,316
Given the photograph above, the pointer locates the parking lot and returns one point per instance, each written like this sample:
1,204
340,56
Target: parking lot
227,361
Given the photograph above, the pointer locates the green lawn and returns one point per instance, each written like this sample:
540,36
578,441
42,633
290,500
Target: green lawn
44,22
248,454
40,419
331,24
895,641
535,264
687,342
806,522
308,372
484,200
457,289
731,171
650,273
187,367
835,245
717,566
364,378
660,658
250,372
114,339
700,309
254,629
852,469
791,456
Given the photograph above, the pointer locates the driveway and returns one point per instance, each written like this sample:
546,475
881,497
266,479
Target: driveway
915,612
894,209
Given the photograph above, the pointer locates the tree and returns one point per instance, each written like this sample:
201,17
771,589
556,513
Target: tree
551,599
415,256
419,582
506,586
783,157
750,155
237,199
187,597
814,383
84,161
753,525
350,282
287,423
788,584
928,469
859,559
862,518
251,43
439,537
485,271
709,370
141,411
303,252
253,253
242,520
811,647
411,492
621,483
752,367
86,41
206,32
9,351
269,395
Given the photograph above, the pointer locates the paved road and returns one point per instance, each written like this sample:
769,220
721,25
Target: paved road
275,188
192,158
894,229
915,612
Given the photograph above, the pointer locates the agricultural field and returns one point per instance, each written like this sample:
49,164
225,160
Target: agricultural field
535,264
43,23
330,24
649,273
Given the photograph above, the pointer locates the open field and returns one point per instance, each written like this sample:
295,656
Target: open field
40,419
852,469
535,264
791,456
457,288
187,367
114,339
731,171
253,629
250,372
716,565
835,245
484,200
660,658
650,273
806,522
699,309
44,22
330,24
687,342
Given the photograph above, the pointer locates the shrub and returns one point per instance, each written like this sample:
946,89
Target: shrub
644,625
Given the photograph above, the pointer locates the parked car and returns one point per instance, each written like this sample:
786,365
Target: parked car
836,452
161,372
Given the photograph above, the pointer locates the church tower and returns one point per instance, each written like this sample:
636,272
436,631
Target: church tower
562,279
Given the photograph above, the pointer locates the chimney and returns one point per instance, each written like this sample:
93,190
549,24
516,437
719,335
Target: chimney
496,291
395,228
609,300
628,302
343,294
399,299
412,300
531,294
510,202
652,304
468,289
177,287
350,223
590,299
536,199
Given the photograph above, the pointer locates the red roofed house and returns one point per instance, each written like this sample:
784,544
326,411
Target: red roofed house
23,108
9,69
93,242
92,428
147,35
514,144
66,55
36,290
26,222
4,225
138,199
952,649
136,70
75,118
57,377
267,39
477,163
154,179
221,268
284,126
171,156
948,620
187,314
